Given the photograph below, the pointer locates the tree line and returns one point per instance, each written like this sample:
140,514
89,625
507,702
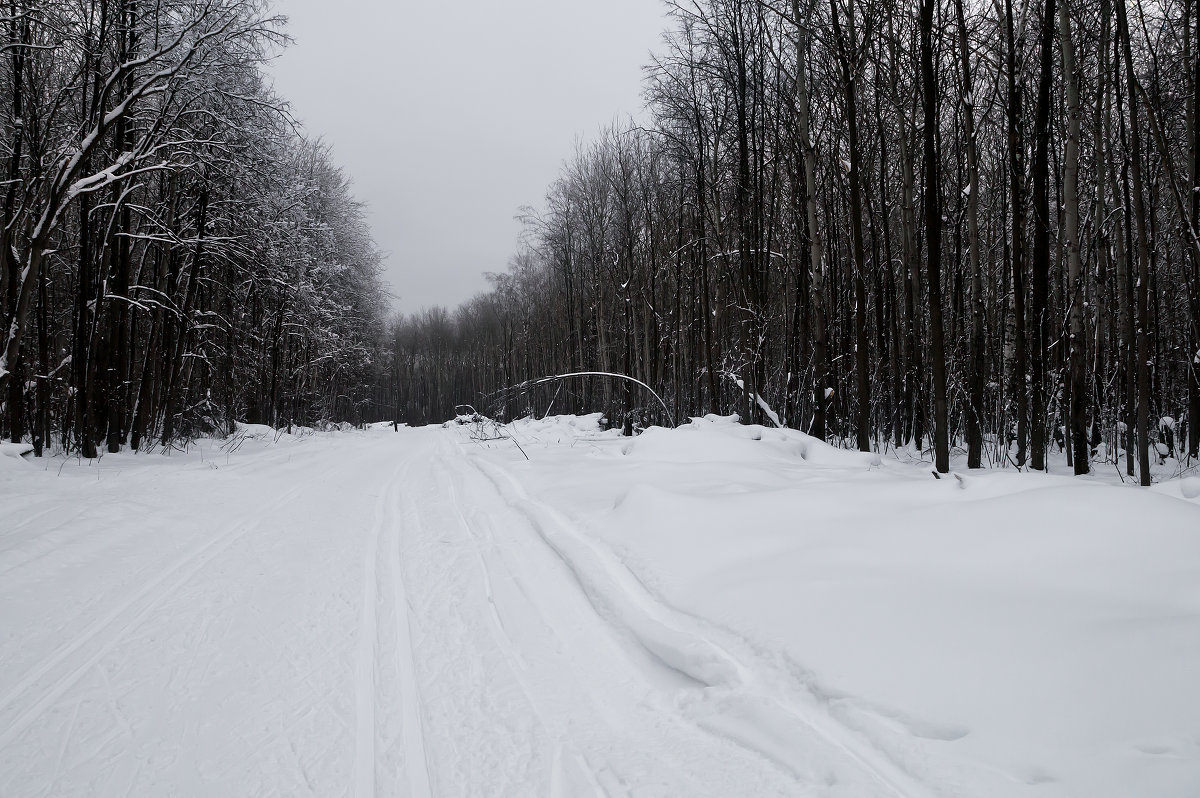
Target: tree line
962,224
174,254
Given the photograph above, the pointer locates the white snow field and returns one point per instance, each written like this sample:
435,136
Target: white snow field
718,610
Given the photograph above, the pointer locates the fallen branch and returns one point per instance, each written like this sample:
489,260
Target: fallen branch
544,380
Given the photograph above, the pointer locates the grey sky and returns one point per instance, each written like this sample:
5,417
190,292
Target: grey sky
450,115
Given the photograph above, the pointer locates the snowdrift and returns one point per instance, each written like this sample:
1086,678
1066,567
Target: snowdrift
995,634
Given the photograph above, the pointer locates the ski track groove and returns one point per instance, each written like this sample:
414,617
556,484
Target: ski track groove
125,618
505,643
189,566
365,670
416,764
14,532
385,608
41,547
471,529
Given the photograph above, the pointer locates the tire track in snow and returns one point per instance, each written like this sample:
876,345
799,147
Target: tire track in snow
732,707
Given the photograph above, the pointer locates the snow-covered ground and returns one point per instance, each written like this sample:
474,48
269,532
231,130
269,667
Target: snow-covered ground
718,610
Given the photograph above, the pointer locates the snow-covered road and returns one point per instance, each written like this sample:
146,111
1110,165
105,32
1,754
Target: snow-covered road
407,614
365,617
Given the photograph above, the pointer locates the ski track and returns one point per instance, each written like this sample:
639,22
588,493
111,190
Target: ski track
366,671
493,649
621,597
116,625
128,619
385,663
480,535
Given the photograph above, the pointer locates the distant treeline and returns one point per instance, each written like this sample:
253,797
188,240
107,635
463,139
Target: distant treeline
173,255
956,223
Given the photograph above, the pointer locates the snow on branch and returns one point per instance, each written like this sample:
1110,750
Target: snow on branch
768,411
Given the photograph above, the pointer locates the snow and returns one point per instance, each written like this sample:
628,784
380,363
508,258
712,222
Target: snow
14,451
1011,632
257,431
766,408
717,610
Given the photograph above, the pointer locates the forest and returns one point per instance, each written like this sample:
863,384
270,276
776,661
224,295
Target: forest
959,228
828,427
962,227
174,254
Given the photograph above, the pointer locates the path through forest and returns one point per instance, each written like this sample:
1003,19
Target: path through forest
388,614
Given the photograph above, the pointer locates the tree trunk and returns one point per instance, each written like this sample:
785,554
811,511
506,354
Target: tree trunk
933,228
850,95
816,242
1016,175
1142,284
1077,411
1040,262
978,340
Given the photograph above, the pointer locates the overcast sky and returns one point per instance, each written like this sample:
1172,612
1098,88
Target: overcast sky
449,116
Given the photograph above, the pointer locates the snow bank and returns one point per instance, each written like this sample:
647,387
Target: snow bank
550,430
996,635
386,425
257,432
268,434
582,425
1183,488
12,456
1189,488
723,439
17,450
